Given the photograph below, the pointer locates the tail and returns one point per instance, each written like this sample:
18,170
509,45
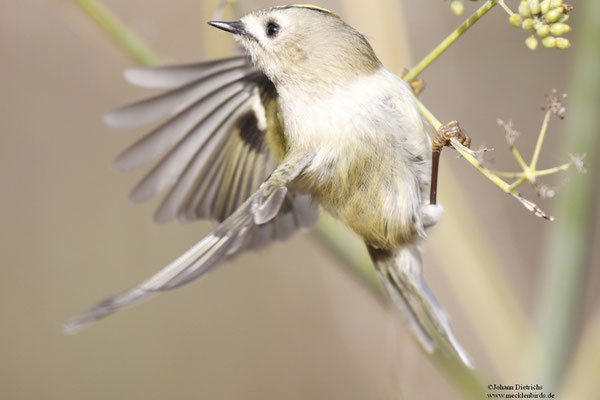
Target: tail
401,273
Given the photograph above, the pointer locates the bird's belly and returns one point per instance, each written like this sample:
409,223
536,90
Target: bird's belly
369,193
370,154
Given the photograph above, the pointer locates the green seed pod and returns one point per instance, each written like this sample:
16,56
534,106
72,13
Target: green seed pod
524,9
534,6
563,18
515,20
531,42
457,7
554,14
559,29
562,43
542,30
528,24
556,3
545,6
549,42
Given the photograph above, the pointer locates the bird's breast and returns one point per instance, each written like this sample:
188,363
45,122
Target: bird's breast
368,142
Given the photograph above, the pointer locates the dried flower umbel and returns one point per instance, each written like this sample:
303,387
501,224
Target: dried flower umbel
510,133
544,15
555,105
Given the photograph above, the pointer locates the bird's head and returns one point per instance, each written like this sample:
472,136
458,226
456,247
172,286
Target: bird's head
303,44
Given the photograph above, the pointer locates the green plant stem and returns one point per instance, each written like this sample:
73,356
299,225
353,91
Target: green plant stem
505,7
516,184
464,152
566,259
540,141
432,56
529,172
443,46
554,170
508,175
518,157
540,172
119,32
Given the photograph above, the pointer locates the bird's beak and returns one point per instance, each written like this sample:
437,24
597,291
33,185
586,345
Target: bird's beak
235,27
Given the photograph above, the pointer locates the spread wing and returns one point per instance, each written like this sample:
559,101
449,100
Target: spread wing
214,161
210,146
238,231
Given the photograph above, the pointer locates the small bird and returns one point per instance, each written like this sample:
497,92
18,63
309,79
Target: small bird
309,118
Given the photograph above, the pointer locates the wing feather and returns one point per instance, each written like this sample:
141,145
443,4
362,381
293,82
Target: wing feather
211,148
205,163
168,170
231,202
163,138
205,192
174,76
167,104
226,240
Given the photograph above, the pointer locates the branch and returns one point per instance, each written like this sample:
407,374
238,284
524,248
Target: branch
132,45
443,46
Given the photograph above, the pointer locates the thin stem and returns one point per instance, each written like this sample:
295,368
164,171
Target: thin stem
540,141
516,184
505,7
428,115
443,46
541,172
554,170
509,174
467,156
119,32
518,157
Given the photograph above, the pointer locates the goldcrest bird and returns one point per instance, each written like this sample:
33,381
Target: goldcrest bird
256,143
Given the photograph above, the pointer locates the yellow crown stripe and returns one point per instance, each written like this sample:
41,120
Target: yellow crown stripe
308,6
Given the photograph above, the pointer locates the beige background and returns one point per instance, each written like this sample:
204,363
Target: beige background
289,323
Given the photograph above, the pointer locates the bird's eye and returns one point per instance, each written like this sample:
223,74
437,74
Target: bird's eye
272,29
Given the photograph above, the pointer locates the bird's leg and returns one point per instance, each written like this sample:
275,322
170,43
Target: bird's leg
445,134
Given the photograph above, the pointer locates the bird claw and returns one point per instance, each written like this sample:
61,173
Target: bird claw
448,132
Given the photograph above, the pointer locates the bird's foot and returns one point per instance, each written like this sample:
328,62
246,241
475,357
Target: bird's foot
446,133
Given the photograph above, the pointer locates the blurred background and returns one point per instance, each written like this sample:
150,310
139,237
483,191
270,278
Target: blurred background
294,321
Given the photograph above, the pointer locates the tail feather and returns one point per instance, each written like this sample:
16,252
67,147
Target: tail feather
400,296
402,276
